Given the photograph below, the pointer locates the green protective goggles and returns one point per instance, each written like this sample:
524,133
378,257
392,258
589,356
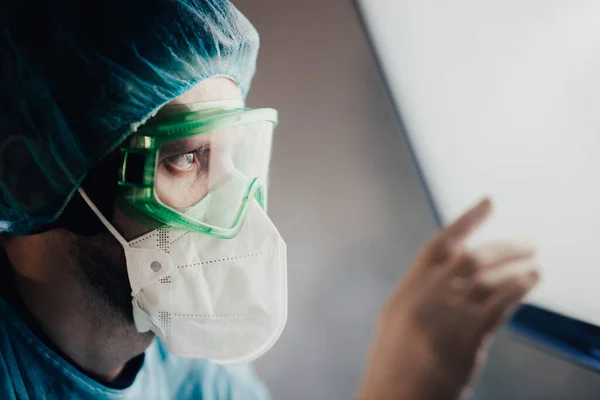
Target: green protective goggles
198,170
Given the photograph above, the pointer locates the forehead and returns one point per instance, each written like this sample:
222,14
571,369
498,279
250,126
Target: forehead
216,88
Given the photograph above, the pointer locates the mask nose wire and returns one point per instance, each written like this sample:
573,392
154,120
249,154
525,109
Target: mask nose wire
104,221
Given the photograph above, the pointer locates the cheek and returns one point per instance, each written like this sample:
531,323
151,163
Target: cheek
183,191
132,224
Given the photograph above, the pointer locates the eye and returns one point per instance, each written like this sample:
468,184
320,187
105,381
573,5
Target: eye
181,161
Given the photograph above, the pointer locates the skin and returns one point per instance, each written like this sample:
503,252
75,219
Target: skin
77,288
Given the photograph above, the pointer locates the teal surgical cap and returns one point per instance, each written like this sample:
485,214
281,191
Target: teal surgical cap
76,78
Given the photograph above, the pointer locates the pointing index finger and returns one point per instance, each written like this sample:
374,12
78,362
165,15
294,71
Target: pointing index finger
459,230
452,236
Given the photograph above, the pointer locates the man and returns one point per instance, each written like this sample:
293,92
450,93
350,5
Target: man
133,206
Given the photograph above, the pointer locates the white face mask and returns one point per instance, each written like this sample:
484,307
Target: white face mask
221,299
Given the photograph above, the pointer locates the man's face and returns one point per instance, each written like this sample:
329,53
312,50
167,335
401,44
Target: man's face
100,259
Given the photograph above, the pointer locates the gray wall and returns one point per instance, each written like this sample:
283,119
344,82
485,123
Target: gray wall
346,198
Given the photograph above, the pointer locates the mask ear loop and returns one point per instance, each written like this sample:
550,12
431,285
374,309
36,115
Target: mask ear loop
104,221
142,320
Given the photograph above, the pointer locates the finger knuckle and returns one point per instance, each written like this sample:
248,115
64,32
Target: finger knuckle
471,262
443,243
483,286
440,248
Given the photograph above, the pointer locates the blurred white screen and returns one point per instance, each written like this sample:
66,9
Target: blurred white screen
502,98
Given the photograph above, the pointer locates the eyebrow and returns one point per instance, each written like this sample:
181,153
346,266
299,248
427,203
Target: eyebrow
182,146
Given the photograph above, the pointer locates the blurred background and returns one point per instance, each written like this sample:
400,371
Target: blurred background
347,199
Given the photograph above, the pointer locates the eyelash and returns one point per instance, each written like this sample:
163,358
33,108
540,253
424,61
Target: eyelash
202,160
